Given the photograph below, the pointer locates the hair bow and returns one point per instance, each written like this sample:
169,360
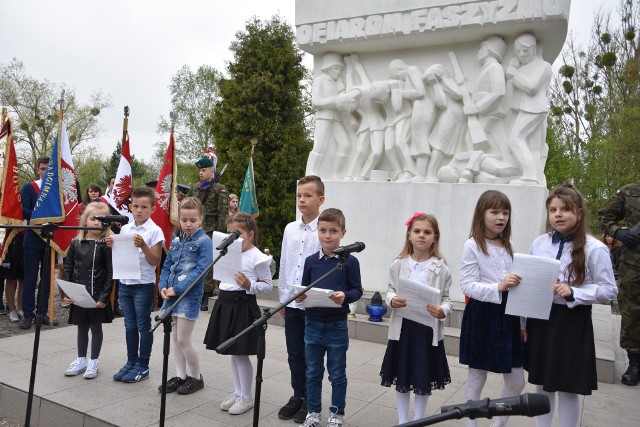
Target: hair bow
413,218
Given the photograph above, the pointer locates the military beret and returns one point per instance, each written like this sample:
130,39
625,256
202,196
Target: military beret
183,189
204,163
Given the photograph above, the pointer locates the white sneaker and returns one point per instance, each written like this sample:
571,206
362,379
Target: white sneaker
20,314
229,401
241,406
77,366
14,317
334,420
92,369
312,420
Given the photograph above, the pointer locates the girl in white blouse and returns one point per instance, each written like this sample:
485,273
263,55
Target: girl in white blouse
490,340
561,350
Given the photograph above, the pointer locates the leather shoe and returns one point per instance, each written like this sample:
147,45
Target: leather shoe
205,304
291,408
26,323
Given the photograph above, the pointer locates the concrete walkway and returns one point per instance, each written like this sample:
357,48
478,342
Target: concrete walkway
74,401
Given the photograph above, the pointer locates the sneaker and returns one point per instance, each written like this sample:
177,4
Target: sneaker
312,420
123,371
191,385
334,420
14,316
291,408
77,366
92,369
301,415
136,374
20,314
229,401
172,384
26,323
241,406
3,310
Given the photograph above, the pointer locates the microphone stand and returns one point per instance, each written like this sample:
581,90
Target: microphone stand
261,326
479,410
165,320
46,231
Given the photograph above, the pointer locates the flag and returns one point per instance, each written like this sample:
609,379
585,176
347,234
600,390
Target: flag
166,212
120,197
10,206
248,199
58,198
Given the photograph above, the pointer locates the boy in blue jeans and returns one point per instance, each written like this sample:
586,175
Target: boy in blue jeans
326,328
136,296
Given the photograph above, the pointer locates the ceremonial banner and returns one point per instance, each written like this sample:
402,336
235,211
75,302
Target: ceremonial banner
248,198
10,206
123,187
58,198
166,212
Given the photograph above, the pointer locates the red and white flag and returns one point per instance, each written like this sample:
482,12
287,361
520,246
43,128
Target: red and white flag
123,187
10,206
166,212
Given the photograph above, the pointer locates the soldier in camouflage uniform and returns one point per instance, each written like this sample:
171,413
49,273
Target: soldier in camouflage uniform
215,200
617,217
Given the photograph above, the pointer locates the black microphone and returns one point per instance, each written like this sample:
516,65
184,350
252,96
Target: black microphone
349,249
113,218
232,237
529,404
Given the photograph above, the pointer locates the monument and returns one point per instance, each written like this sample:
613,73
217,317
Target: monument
423,105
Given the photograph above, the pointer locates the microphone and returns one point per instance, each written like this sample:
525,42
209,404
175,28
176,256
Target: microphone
349,249
232,237
113,218
529,404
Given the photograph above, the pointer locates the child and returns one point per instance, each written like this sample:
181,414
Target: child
136,295
236,309
88,262
490,340
561,351
326,328
190,253
299,241
233,204
415,358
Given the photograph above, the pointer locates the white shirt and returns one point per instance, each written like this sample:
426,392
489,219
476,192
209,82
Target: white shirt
299,241
480,274
152,235
255,265
599,285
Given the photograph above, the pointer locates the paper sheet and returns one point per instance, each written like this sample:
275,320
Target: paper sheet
125,257
417,297
77,292
226,268
534,295
317,297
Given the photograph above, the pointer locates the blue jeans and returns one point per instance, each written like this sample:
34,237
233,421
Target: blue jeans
294,334
136,302
331,338
33,261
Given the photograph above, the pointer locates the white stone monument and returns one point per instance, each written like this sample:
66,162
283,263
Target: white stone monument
424,104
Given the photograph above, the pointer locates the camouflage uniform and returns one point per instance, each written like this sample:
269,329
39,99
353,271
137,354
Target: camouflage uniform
216,208
623,210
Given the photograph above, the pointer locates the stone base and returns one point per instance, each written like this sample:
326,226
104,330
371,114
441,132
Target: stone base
376,212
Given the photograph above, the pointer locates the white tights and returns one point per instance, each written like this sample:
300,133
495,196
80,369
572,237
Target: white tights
568,409
419,406
242,371
185,353
476,378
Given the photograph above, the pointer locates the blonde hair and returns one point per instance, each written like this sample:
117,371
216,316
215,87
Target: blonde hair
434,250
92,209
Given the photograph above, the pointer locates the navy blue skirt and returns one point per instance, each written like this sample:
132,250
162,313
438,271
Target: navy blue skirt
412,363
232,313
489,339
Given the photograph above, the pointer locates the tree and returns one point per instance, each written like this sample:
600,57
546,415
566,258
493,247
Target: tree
141,173
263,99
193,96
35,104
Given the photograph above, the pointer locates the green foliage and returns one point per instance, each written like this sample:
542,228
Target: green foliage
263,100
140,171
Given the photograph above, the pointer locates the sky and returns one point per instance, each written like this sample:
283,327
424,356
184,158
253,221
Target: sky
129,49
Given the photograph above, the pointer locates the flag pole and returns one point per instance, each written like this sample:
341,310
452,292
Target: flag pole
125,124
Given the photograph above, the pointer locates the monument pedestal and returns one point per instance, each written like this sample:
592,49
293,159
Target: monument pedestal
376,212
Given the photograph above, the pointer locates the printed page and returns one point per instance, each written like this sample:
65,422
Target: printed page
317,297
534,295
77,292
125,257
417,296
226,268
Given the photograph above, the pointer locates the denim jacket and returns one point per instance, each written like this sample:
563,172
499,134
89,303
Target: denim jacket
186,259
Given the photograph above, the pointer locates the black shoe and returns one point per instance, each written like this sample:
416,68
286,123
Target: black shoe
632,374
301,415
26,323
205,304
191,385
117,313
291,408
172,384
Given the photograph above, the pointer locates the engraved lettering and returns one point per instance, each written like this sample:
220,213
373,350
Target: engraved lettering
451,17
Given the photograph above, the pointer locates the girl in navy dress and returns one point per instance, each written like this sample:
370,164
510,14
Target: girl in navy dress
561,356
490,340
415,358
